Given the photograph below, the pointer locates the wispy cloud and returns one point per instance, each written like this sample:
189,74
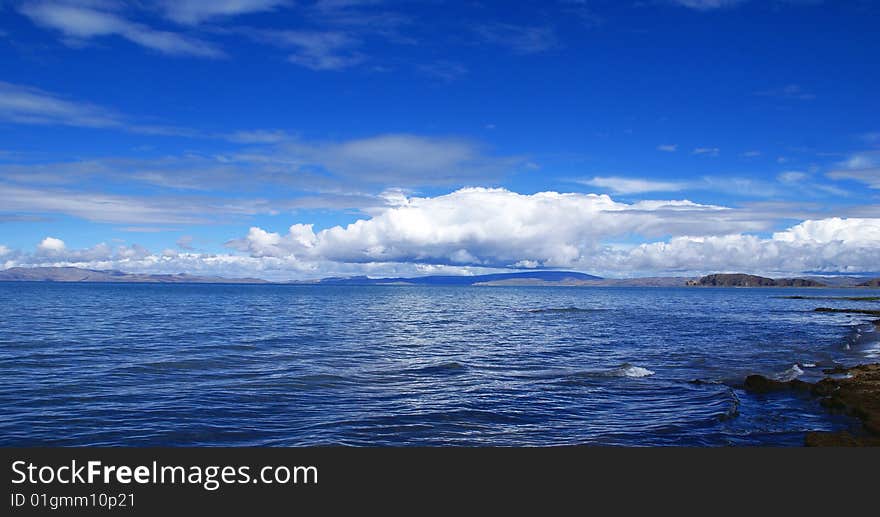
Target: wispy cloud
446,71
519,38
83,21
26,105
863,167
707,5
619,185
789,92
667,148
792,176
707,151
197,11
315,49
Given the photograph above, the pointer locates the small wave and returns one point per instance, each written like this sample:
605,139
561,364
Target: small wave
872,350
629,370
788,375
562,309
450,368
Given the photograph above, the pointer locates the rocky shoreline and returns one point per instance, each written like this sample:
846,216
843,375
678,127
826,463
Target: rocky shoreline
853,391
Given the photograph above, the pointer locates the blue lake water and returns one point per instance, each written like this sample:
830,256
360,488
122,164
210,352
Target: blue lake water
172,365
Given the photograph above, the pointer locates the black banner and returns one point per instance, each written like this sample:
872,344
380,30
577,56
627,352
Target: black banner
269,481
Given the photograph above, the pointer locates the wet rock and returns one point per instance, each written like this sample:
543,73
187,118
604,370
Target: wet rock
761,384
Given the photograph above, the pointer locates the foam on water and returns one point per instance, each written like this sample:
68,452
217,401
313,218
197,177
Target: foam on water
790,374
631,370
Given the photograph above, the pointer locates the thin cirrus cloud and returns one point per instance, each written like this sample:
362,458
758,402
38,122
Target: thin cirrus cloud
289,166
620,185
27,105
521,39
863,167
82,21
789,92
317,50
707,151
707,5
197,11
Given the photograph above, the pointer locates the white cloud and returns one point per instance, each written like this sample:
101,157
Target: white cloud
829,245
82,21
620,185
197,11
493,227
667,148
51,245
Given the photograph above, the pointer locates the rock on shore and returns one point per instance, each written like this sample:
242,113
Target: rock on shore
854,391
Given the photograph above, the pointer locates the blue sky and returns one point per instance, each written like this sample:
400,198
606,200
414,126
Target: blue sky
302,139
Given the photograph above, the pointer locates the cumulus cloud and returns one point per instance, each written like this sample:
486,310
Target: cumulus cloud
478,229
493,227
51,245
830,245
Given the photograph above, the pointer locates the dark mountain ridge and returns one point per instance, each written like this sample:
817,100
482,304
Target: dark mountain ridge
743,280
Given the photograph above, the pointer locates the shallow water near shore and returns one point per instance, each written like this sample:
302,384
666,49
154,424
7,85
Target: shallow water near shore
173,365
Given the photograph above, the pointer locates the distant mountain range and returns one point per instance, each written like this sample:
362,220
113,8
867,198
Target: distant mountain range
75,274
520,278
530,277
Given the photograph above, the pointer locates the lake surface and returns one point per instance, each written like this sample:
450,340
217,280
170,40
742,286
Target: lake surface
174,365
